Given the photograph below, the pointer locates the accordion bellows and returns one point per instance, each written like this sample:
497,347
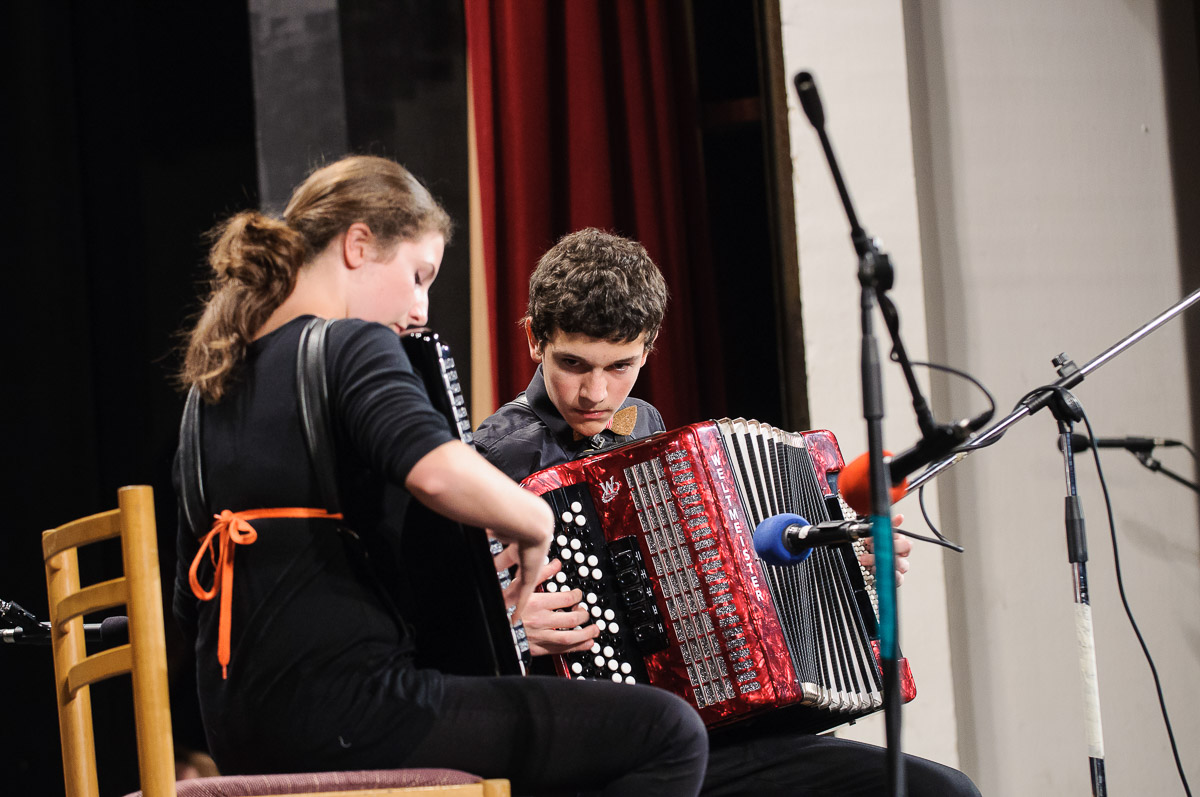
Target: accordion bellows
658,535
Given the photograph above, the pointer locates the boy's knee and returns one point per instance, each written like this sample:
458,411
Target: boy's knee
930,778
683,727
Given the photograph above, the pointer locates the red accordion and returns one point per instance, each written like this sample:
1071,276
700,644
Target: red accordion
658,534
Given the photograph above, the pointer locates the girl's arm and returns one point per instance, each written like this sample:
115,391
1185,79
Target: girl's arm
455,481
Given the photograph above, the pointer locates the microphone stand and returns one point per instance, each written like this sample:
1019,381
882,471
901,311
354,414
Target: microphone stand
1156,466
1065,409
24,626
937,440
875,278
1070,376
26,629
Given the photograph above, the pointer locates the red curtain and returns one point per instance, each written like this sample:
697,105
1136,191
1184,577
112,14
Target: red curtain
586,116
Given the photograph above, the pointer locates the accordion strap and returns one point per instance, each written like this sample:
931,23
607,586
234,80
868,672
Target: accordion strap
313,396
312,391
191,470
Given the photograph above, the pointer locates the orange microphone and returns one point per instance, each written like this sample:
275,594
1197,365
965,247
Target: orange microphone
854,482
935,443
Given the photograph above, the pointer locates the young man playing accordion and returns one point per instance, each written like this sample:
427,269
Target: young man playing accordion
596,302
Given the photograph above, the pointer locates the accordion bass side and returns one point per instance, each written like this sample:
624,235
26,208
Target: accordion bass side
658,535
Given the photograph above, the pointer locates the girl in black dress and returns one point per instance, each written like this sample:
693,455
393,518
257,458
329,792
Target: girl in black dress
301,663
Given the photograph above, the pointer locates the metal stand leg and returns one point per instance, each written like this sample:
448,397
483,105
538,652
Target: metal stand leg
1084,636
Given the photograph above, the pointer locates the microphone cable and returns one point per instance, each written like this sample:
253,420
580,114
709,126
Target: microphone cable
948,369
938,538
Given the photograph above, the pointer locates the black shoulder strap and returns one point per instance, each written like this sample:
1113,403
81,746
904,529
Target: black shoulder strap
312,391
191,471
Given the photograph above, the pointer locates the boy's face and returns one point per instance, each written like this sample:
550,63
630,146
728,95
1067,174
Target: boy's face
588,378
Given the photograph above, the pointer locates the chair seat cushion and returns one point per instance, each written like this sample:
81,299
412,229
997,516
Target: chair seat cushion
316,782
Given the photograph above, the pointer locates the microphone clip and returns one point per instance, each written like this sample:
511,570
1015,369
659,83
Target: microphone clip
24,626
788,539
1146,459
939,441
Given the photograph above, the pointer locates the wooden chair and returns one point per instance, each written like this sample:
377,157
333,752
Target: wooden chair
144,656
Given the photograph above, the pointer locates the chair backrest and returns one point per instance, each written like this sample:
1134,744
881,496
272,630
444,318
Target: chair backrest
144,656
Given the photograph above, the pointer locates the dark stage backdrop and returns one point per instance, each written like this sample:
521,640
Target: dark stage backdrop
132,128
128,132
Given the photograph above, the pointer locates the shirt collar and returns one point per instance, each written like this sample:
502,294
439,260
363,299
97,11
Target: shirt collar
544,409
547,413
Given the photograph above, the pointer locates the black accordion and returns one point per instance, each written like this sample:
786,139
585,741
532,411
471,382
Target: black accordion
481,640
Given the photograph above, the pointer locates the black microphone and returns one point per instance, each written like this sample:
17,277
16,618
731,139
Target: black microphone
1081,442
788,539
110,632
810,100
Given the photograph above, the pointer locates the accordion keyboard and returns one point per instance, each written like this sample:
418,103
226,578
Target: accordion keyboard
613,591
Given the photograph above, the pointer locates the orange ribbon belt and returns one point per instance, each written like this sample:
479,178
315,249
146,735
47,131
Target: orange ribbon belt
232,529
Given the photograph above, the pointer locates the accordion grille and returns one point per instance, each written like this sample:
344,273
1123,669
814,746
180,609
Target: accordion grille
826,635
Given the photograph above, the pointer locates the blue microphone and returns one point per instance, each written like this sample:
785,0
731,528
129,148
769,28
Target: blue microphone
788,539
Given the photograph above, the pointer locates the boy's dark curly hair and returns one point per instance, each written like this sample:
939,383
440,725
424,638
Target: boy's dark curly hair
598,284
